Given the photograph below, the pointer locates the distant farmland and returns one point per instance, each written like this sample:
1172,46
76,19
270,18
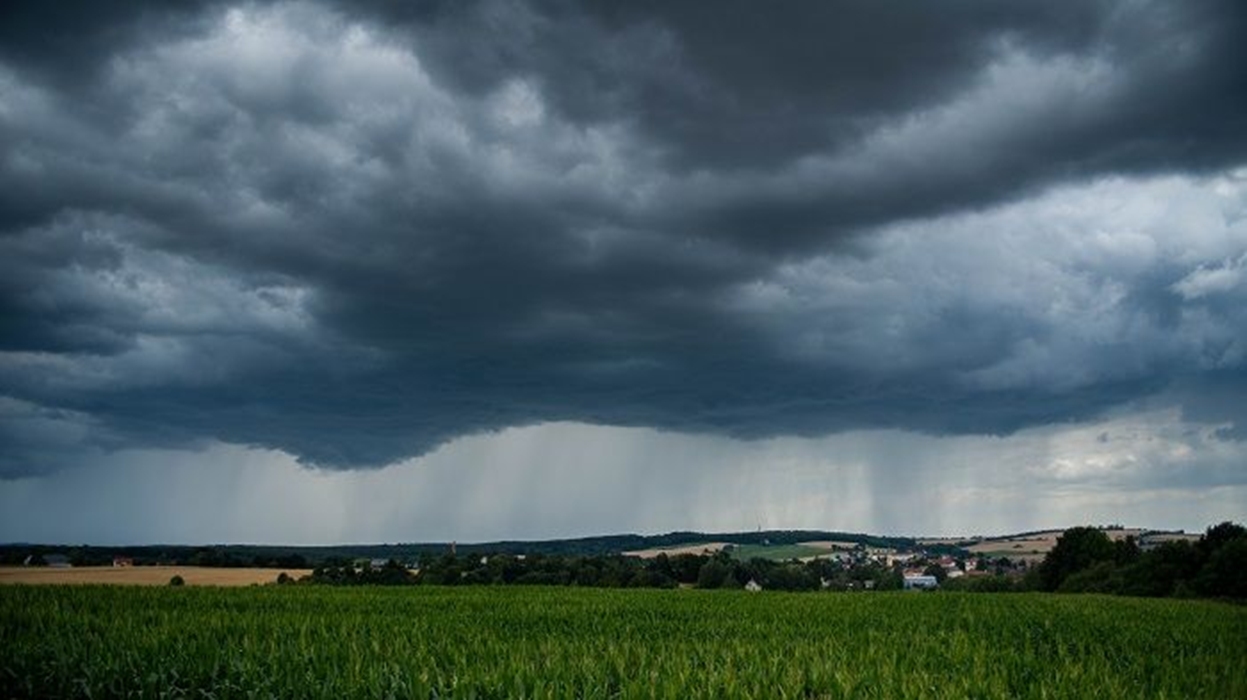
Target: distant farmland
144,575
490,642
782,552
745,552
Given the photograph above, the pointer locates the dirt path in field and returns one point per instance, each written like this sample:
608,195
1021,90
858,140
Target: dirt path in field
143,575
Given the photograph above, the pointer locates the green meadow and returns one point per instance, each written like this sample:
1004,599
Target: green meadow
517,642
782,552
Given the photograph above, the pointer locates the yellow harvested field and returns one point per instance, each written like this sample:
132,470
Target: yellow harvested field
1157,538
144,575
701,548
1022,544
1036,546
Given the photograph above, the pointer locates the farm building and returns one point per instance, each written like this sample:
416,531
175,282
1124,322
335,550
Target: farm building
921,583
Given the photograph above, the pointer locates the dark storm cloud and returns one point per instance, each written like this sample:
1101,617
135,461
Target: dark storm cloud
355,231
741,87
736,84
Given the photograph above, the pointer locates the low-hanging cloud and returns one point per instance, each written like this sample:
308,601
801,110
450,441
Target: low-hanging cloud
354,232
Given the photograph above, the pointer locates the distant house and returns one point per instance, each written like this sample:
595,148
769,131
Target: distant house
921,583
378,564
893,559
123,561
753,586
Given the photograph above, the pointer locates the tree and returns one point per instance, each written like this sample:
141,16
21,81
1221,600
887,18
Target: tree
177,581
1126,550
1101,577
686,567
1225,572
1076,549
791,577
713,574
1218,536
890,580
1161,571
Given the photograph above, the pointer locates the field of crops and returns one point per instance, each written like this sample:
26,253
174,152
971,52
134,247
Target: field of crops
424,642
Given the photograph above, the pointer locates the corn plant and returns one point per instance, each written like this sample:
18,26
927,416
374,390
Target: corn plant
483,642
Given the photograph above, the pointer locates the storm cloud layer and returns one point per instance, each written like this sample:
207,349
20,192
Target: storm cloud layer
353,232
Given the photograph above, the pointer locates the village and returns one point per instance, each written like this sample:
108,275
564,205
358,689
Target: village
760,561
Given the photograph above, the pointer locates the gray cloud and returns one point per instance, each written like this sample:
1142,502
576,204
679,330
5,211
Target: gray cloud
354,232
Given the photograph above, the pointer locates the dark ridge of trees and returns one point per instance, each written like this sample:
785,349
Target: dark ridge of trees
613,571
296,557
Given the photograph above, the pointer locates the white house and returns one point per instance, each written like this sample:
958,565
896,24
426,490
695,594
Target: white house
920,582
753,586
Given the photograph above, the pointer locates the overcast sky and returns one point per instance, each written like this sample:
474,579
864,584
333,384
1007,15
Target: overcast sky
311,272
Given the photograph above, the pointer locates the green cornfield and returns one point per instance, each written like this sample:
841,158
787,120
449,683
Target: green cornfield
429,642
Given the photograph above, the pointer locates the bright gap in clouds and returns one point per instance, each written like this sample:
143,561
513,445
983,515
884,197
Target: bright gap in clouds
563,480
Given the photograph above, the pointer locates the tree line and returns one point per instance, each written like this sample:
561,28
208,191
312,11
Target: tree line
238,555
1085,560
615,571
